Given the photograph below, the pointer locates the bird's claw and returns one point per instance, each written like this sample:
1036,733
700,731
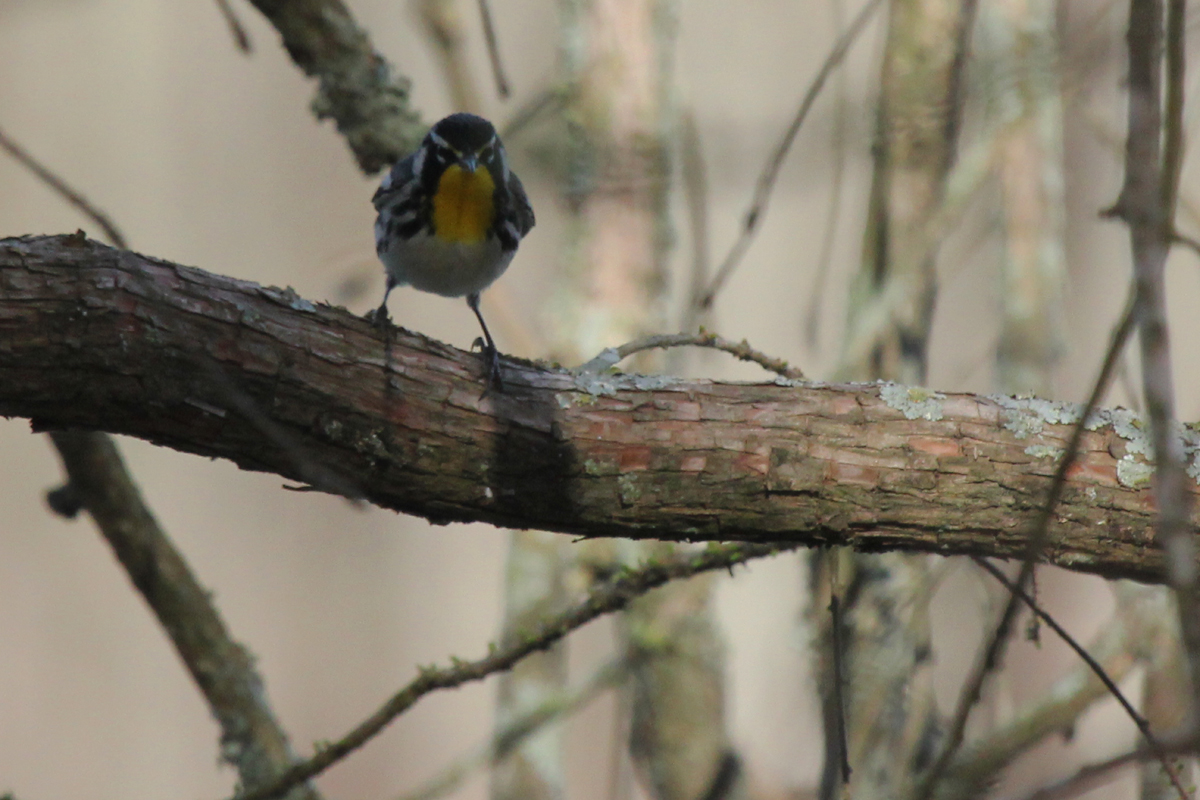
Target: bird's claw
379,317
491,359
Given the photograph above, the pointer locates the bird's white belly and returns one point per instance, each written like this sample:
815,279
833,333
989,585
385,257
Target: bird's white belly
451,269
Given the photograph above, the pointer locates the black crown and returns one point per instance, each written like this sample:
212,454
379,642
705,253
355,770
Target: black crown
465,132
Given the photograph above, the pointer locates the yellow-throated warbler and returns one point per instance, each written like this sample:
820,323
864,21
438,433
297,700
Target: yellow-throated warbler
451,216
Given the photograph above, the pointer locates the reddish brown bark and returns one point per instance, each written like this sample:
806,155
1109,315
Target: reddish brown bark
94,338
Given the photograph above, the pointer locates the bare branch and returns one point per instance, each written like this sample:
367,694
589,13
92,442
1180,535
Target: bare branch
240,37
608,596
1088,776
610,356
357,86
251,738
493,48
766,181
503,742
1097,670
59,185
1136,627
444,26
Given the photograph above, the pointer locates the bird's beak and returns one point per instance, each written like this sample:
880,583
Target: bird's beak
469,162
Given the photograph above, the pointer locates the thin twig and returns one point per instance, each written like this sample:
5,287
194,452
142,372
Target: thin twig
489,35
59,185
240,37
553,99
610,356
1186,241
606,597
994,652
816,295
504,741
1087,776
251,738
766,180
1095,667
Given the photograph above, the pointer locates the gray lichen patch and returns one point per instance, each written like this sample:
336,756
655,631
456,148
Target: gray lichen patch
1125,423
628,490
596,384
653,383
1043,451
609,383
1028,416
287,297
1136,467
1134,473
914,402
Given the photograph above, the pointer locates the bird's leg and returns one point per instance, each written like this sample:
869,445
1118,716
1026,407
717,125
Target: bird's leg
380,315
490,354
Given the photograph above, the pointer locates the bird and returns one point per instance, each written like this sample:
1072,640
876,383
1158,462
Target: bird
450,218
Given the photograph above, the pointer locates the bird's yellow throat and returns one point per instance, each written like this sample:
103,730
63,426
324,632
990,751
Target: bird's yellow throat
462,207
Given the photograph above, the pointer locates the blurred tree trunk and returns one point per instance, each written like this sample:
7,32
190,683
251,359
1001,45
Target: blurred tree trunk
891,724
917,129
1021,39
534,589
618,56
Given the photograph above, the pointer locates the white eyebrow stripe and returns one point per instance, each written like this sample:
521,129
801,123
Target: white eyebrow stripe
503,163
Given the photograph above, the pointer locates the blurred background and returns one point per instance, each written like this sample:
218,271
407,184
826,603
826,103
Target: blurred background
210,157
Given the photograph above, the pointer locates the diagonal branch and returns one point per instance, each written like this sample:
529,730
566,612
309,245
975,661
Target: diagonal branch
357,87
610,595
251,738
101,340
770,173
44,174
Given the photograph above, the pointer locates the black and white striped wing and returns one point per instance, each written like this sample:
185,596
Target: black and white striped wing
517,215
401,203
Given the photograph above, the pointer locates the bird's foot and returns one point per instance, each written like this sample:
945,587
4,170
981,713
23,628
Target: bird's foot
491,359
379,318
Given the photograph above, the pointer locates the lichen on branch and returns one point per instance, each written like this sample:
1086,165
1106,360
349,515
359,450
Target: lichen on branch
99,339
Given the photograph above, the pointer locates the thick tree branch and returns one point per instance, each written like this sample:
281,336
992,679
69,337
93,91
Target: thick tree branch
99,339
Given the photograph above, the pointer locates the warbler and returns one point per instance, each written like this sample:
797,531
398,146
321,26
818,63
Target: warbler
450,218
